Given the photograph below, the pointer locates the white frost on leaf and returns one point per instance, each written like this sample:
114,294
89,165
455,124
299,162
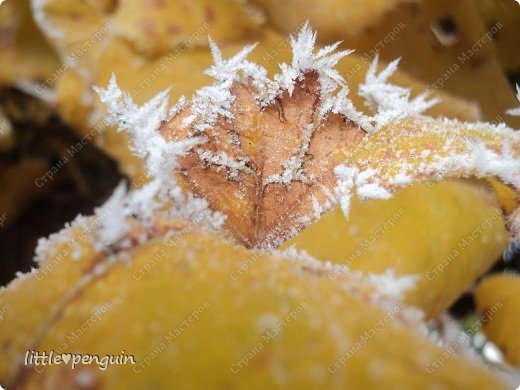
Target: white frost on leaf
461,155
224,162
481,161
178,107
210,102
316,207
46,246
469,158
143,123
386,290
113,218
304,60
39,14
161,159
346,178
145,201
184,205
515,111
389,101
144,205
392,285
293,169
237,68
368,186
341,104
215,103
301,257
365,181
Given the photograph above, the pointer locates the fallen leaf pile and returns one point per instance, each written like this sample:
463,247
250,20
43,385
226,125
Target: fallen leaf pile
282,225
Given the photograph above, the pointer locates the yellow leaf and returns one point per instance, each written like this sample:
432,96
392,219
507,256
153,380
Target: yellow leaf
447,233
24,53
498,302
416,150
335,19
158,27
192,315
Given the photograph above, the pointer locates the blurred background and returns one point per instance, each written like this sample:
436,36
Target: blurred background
58,158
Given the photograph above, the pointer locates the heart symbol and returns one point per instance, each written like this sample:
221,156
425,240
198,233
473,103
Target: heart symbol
66,357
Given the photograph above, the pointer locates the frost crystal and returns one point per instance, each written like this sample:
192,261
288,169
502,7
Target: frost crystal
368,186
161,158
144,205
389,101
346,178
143,124
38,7
113,218
341,104
293,168
482,161
178,107
386,289
390,284
366,183
222,161
187,206
208,103
462,152
515,111
46,246
304,60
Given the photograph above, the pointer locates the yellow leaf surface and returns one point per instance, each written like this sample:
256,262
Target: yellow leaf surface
498,301
24,53
335,19
447,233
416,150
80,30
185,308
158,27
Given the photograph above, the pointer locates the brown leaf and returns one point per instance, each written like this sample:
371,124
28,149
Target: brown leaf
260,208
